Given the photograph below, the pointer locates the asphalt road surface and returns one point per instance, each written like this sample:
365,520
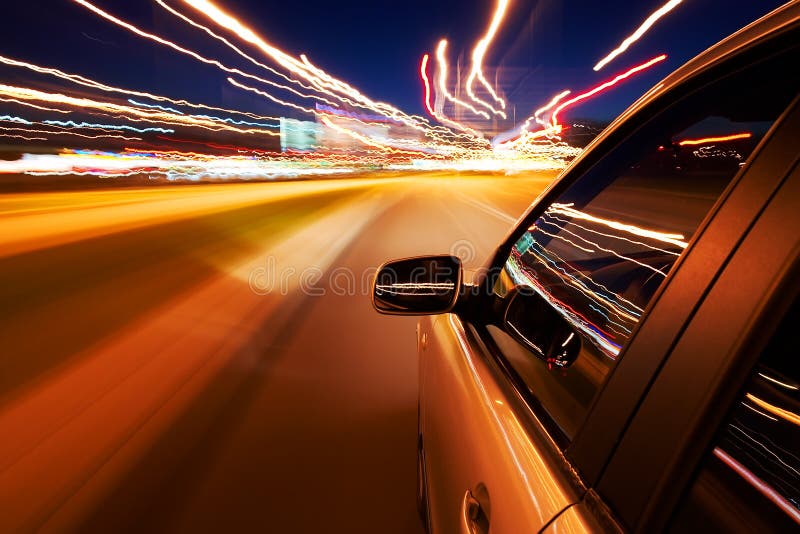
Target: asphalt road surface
206,358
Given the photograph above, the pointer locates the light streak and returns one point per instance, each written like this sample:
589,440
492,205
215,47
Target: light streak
323,82
778,382
442,63
567,209
69,132
29,105
477,62
247,57
759,412
555,100
183,50
88,125
269,96
708,140
765,489
86,103
87,82
15,136
635,36
423,71
156,106
11,118
604,86
364,139
775,410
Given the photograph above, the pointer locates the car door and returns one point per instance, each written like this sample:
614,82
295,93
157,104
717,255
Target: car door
512,433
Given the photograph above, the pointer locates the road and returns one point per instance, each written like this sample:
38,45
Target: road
205,357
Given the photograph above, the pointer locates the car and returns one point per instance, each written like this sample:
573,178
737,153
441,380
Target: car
627,358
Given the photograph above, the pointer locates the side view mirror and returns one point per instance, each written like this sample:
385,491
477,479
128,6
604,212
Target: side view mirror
425,285
533,322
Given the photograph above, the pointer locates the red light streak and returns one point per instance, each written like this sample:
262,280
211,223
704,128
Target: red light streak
423,71
604,86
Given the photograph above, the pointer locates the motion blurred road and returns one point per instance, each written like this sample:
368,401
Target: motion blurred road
206,358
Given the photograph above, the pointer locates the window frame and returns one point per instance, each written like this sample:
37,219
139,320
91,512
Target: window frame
688,424
593,445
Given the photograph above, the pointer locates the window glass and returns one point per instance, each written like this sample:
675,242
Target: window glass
600,251
750,480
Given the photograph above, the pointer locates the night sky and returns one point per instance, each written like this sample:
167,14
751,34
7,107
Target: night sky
543,47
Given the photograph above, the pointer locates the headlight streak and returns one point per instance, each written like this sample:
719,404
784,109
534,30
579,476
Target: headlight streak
663,10
476,72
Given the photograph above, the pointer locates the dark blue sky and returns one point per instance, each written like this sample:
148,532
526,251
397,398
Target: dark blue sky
543,47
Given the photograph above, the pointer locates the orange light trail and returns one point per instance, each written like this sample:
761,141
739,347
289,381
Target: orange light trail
249,58
635,36
183,50
707,140
322,81
604,86
476,73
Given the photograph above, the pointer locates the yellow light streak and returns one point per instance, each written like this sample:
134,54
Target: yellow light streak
775,410
476,73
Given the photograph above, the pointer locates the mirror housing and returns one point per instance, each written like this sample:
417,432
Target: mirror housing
533,322
425,285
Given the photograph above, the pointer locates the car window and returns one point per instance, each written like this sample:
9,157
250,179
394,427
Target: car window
598,253
750,479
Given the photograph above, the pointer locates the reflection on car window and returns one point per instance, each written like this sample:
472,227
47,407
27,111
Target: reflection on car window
599,252
750,480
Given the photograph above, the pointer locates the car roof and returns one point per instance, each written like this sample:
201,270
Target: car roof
771,24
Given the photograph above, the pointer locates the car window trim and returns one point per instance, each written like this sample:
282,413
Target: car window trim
674,303
626,474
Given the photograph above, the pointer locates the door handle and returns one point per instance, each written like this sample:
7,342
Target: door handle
474,515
